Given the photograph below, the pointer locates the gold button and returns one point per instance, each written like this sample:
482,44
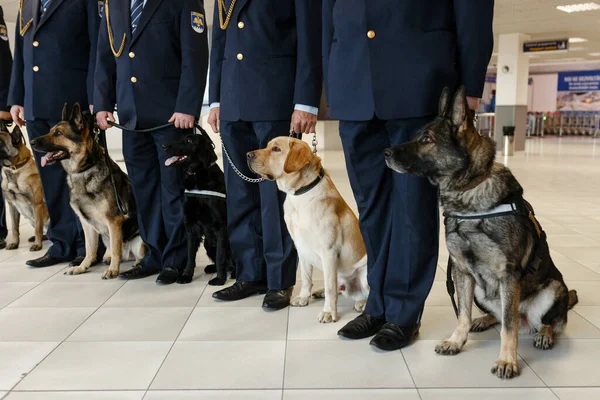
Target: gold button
241,25
36,43
133,79
240,56
36,68
371,34
131,55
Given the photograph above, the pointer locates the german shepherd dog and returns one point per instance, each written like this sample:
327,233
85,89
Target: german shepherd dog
490,257
204,205
22,187
71,142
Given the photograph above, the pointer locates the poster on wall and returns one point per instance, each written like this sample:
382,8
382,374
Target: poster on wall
578,91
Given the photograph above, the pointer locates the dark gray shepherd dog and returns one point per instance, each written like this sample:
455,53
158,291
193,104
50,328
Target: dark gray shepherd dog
499,256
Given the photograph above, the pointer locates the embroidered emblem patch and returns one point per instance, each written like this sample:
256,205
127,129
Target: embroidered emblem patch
101,9
3,32
198,22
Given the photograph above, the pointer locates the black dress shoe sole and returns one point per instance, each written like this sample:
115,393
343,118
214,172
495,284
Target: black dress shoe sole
34,264
396,346
139,275
361,335
275,307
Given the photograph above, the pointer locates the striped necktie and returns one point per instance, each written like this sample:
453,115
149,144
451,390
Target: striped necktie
44,4
136,11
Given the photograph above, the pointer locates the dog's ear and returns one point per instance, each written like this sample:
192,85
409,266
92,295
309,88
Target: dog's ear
459,107
3,126
77,116
65,112
16,136
444,100
298,157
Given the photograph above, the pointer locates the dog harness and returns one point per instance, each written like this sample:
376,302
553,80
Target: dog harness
523,211
311,185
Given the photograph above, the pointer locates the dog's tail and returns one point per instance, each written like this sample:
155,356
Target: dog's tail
573,299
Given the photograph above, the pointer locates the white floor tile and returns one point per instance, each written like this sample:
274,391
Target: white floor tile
577,393
214,395
343,365
487,394
98,366
352,394
438,295
61,294
149,294
17,359
132,324
223,365
11,291
237,323
19,272
303,323
40,324
588,292
439,322
590,313
108,395
470,368
586,256
569,363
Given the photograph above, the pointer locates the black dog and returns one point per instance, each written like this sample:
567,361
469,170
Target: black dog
204,206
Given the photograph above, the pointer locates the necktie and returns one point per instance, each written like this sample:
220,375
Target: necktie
136,11
44,4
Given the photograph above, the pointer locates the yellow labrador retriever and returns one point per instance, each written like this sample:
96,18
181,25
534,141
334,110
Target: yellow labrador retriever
323,227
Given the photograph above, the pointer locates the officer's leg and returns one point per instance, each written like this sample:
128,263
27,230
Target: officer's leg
243,203
413,256
371,181
141,160
62,231
3,228
175,252
280,254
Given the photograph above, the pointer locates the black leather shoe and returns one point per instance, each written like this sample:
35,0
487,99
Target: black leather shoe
77,261
240,290
137,272
361,327
167,276
2,244
44,261
393,337
278,299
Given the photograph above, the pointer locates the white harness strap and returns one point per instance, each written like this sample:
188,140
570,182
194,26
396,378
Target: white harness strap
205,193
501,209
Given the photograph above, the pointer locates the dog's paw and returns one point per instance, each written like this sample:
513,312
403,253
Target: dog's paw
184,279
35,247
318,294
12,246
326,317
76,270
217,281
505,369
448,348
483,323
360,305
543,341
210,269
110,274
106,260
299,301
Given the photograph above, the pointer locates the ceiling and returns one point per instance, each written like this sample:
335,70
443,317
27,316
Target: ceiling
538,18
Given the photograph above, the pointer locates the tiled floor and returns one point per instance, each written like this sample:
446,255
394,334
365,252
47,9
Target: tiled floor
78,337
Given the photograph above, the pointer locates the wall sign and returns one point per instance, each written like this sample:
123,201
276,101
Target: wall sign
546,45
578,91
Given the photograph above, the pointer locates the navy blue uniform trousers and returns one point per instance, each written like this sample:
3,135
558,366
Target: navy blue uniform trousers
398,219
260,242
158,192
3,227
65,231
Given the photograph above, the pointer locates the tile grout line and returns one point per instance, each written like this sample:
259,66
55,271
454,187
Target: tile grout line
287,331
555,395
411,375
174,341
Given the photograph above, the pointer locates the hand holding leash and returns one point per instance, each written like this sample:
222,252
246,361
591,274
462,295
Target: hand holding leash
16,112
214,119
103,118
303,122
182,121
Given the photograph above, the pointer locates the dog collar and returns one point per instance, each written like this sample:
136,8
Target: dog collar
16,167
204,193
193,173
311,185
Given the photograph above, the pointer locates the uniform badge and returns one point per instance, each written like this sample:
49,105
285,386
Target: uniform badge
101,9
3,32
198,22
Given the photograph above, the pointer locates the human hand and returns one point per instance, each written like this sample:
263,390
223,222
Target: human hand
473,103
303,122
183,121
102,119
214,119
16,112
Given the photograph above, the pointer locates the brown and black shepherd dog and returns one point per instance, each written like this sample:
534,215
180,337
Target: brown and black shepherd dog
22,187
71,142
491,257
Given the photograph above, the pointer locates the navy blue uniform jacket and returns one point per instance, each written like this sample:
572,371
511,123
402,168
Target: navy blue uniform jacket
5,61
55,57
159,70
279,42
415,49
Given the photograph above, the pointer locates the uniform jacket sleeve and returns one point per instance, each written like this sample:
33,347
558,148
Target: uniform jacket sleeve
217,52
93,20
309,73
5,67
194,62
16,94
475,42
327,36
105,77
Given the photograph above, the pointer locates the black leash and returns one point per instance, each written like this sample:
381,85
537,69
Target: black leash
101,139
450,286
149,130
